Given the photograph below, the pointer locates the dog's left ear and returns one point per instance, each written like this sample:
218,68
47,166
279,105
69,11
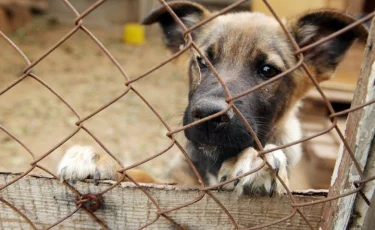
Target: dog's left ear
315,25
189,13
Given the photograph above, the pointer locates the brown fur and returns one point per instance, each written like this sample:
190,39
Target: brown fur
136,174
239,39
246,49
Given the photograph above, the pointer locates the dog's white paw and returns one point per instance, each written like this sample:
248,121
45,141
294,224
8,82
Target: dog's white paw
82,162
260,181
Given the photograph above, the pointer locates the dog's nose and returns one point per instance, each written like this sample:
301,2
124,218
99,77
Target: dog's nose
206,108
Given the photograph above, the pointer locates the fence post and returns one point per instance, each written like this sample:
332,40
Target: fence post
349,212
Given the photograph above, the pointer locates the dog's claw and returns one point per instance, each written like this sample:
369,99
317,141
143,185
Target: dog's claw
74,178
236,182
277,167
273,188
273,183
222,179
62,174
96,177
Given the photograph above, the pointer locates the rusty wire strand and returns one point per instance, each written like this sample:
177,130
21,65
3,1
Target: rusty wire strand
18,212
355,108
203,190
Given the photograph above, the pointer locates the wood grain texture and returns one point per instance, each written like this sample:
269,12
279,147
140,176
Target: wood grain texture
359,134
45,200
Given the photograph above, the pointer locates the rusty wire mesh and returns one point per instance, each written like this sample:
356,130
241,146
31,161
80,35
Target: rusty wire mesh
204,190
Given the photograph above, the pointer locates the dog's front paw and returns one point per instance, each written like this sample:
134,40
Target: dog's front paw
82,162
260,181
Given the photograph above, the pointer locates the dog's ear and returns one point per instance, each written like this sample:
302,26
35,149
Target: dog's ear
188,12
315,25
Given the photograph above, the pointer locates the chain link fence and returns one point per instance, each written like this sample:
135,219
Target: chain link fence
128,87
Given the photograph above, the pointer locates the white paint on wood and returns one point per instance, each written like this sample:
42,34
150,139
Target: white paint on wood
368,129
365,136
343,213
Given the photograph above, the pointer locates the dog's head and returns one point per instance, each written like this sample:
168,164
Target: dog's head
247,49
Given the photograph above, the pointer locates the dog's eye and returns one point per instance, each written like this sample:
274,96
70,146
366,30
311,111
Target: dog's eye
268,71
201,62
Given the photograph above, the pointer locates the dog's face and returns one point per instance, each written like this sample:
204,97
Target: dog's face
244,55
247,49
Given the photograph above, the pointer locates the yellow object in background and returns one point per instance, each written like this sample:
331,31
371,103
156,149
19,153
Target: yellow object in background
134,33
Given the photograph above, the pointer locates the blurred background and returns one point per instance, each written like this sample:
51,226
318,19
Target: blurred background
80,72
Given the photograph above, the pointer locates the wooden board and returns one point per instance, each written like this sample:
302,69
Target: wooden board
360,134
13,17
320,152
38,4
45,200
4,21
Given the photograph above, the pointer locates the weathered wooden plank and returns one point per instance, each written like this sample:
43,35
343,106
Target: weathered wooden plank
39,4
4,21
369,222
45,200
359,133
366,220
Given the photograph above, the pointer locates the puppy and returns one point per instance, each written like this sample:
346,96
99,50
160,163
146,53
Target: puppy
246,49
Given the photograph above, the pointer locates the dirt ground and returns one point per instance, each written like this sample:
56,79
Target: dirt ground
80,72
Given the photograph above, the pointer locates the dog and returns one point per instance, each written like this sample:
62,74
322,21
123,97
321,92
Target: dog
246,49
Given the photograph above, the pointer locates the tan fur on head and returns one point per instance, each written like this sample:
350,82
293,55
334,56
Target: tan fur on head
315,25
246,49
239,45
